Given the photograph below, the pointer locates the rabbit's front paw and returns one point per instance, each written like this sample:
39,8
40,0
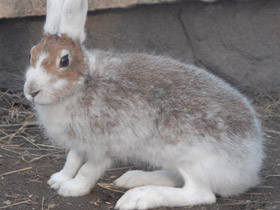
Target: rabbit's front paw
74,188
57,179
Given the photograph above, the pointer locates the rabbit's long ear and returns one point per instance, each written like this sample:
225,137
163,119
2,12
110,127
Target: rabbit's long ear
54,8
73,18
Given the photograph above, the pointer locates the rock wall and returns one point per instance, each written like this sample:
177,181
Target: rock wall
238,41
23,8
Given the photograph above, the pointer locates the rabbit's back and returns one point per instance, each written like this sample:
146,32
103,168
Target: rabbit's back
183,97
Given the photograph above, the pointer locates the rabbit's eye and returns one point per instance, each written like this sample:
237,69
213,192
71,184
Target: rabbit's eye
64,61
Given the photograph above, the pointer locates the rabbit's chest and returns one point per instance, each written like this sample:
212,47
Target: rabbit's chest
54,120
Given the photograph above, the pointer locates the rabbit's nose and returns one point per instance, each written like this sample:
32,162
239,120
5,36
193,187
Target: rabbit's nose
32,90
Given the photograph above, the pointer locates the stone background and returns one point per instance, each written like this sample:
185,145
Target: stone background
22,8
237,40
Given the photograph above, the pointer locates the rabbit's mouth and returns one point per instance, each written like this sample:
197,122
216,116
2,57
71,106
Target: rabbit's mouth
40,97
44,95
31,94
31,90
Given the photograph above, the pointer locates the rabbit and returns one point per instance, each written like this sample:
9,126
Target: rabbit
199,132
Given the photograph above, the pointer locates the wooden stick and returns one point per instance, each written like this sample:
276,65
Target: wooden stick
42,204
275,175
15,204
18,131
122,168
16,171
108,187
272,131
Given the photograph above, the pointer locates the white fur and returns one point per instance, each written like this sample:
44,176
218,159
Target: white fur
73,19
72,165
54,8
148,197
66,17
91,62
42,56
64,52
86,178
37,79
55,118
60,84
137,178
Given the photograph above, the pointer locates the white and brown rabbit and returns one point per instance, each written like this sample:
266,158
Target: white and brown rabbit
101,106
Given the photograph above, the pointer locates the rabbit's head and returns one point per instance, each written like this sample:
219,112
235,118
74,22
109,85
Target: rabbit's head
57,63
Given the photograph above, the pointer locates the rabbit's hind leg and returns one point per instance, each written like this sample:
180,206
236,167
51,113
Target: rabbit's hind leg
192,193
138,178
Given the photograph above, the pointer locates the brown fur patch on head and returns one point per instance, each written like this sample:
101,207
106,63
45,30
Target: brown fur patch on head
53,45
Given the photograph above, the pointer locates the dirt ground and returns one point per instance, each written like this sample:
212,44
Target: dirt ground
27,160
